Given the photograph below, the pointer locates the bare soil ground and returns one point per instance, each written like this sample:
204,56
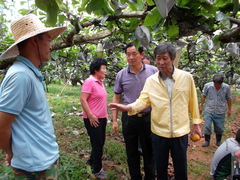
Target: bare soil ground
199,157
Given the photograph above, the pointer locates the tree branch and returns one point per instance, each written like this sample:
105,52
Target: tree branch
125,15
234,20
230,36
79,39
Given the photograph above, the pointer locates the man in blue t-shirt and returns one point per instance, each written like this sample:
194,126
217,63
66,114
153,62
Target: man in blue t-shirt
26,129
218,101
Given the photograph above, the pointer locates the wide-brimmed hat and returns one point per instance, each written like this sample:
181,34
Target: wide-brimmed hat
26,27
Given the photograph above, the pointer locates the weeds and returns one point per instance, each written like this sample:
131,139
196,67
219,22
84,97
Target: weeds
74,142
197,167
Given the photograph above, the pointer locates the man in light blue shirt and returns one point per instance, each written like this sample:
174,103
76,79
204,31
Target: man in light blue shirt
26,129
218,95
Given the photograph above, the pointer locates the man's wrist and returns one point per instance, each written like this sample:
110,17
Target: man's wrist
114,120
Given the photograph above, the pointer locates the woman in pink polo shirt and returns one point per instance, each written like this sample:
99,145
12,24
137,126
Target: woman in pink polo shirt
94,102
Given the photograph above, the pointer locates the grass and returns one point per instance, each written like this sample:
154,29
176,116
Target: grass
75,145
73,139
197,167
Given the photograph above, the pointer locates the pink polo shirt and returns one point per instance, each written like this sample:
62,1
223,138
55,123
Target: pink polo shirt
97,100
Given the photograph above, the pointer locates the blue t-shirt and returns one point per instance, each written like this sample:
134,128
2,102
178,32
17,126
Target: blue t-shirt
22,93
216,102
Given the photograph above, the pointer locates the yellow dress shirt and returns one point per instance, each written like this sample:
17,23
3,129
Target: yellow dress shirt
169,117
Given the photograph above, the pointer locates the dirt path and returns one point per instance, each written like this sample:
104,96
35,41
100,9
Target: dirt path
201,156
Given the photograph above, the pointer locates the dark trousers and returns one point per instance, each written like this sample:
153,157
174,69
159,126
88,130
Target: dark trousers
135,128
97,138
177,147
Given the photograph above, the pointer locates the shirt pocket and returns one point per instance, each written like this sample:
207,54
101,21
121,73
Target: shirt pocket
181,95
182,90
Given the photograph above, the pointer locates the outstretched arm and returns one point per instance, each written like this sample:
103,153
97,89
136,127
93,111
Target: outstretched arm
120,107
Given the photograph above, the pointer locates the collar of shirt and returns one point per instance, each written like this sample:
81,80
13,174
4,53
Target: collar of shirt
129,69
164,77
95,79
31,66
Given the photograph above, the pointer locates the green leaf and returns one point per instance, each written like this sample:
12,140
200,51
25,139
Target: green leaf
216,40
150,2
136,43
152,18
63,7
126,37
107,8
22,2
205,43
41,4
59,2
134,23
52,13
137,6
83,5
221,3
220,16
173,30
209,8
94,5
225,22
235,6
54,55
23,11
183,3
61,19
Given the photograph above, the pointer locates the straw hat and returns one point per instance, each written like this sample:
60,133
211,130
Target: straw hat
26,27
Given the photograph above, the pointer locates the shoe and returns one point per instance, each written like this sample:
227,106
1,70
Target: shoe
100,175
218,144
205,144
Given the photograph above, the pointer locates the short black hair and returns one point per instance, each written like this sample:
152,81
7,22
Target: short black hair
217,78
164,47
146,57
131,44
96,64
238,136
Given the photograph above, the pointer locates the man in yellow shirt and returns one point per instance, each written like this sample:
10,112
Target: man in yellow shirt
172,95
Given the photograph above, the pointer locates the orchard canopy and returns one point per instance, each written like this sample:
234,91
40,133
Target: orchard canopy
205,32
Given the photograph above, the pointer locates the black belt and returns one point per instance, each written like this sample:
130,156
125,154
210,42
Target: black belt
142,114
